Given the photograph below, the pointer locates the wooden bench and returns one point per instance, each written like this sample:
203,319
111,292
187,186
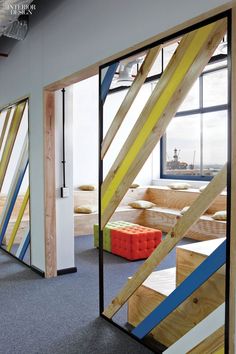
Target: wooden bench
169,203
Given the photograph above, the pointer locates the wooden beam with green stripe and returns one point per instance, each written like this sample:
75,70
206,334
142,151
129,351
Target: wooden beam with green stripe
129,98
199,206
18,220
10,141
187,63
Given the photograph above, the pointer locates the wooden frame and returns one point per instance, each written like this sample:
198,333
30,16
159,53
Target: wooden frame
50,224
50,185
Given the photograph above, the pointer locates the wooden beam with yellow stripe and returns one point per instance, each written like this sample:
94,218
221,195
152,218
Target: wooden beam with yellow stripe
6,121
129,98
18,220
199,206
11,137
187,63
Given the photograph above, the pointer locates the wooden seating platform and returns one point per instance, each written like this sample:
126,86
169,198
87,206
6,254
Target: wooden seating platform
161,283
169,203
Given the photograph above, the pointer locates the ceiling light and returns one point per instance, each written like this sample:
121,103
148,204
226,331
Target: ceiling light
18,29
125,72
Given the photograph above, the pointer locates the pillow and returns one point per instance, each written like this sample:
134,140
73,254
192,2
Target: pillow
141,204
220,215
87,187
179,186
134,185
184,210
85,209
201,189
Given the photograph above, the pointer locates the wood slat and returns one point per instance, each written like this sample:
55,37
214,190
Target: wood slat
176,199
192,311
5,126
11,137
211,344
25,242
129,98
14,189
206,227
187,63
182,226
18,220
202,331
194,281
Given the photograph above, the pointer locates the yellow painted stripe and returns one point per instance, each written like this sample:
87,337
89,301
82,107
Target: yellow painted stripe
162,102
18,221
15,123
221,351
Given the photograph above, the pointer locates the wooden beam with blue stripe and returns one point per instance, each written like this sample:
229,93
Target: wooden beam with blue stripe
14,189
21,251
197,278
18,220
107,80
197,208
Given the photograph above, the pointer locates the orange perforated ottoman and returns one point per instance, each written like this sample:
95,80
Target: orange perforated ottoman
135,242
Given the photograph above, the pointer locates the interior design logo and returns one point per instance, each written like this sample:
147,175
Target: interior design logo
21,9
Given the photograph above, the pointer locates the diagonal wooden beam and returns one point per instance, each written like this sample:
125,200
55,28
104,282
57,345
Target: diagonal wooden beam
25,242
196,279
14,189
212,344
199,206
5,126
18,220
129,98
193,53
11,137
205,337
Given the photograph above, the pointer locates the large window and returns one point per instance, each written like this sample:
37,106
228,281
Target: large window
195,143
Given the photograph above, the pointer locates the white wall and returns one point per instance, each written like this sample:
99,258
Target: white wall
86,131
72,35
64,206
85,113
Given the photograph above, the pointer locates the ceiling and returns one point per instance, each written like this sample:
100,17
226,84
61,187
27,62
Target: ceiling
6,17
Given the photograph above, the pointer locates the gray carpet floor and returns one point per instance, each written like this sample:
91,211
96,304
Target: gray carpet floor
60,316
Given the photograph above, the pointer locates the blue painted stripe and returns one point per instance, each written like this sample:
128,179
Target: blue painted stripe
12,202
205,270
106,82
25,247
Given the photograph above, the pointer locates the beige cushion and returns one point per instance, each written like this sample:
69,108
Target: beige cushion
87,187
134,185
201,189
220,215
85,209
179,186
141,204
184,210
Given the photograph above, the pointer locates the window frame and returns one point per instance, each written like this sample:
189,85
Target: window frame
198,111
